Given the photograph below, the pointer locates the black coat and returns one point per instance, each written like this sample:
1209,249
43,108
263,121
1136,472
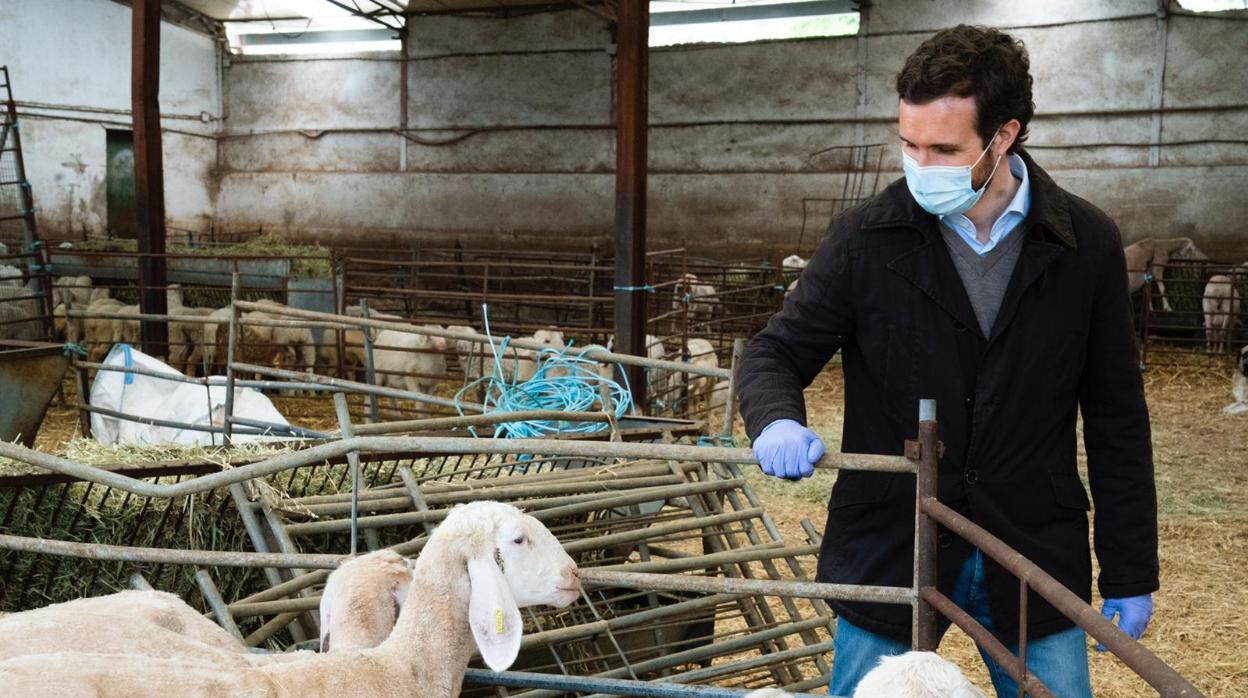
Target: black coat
882,289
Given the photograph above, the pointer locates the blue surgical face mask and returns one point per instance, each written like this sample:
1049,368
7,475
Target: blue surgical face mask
943,190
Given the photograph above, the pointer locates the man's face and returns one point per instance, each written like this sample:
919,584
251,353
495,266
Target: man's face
942,132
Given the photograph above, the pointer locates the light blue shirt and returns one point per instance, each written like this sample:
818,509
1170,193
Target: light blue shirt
1009,219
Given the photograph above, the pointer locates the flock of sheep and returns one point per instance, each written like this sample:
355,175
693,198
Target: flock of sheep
388,628
402,360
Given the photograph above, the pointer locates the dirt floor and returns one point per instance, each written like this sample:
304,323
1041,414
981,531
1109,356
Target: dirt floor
1201,457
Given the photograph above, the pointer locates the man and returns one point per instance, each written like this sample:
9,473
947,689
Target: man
977,281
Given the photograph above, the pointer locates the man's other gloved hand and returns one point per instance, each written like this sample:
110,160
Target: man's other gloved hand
787,449
1133,614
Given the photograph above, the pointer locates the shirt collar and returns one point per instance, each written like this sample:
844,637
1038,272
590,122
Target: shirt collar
1014,213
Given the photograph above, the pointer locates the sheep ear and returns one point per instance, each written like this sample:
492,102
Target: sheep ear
399,592
493,614
327,602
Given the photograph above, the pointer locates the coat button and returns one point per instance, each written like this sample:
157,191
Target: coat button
944,540
959,325
972,476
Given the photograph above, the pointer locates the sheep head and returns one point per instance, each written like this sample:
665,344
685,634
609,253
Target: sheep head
513,561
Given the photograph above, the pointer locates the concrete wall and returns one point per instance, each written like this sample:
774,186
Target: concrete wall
69,61
515,139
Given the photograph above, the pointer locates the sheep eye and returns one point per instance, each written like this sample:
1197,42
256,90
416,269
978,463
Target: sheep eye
519,540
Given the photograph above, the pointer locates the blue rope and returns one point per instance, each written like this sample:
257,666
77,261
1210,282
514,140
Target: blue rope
564,381
647,288
71,348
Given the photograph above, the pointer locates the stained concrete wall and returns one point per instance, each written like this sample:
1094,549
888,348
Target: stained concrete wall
69,61
515,139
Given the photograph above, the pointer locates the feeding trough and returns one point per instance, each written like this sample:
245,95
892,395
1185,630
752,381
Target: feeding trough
30,373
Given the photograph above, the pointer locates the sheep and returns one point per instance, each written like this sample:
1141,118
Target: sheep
353,359
700,297
74,289
1221,307
485,562
915,675
794,261
75,292
11,276
519,365
1149,257
656,378
358,608
188,340
19,309
258,344
408,361
362,600
149,623
1239,385
701,353
97,331
910,675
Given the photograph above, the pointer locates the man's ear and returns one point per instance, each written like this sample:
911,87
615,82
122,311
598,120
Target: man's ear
1005,138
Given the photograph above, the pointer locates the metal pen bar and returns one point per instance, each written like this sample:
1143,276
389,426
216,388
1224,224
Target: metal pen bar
230,355
925,632
429,444
354,387
619,687
353,462
1143,662
213,598
370,372
477,420
209,558
1000,653
741,585
152,421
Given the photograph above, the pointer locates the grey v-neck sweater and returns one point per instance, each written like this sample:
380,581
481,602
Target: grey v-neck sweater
986,277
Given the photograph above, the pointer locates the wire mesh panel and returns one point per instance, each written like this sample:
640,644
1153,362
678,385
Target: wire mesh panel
1193,307
636,515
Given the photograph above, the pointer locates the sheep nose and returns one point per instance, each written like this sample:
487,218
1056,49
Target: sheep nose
573,575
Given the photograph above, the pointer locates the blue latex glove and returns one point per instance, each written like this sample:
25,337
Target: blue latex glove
1133,614
787,449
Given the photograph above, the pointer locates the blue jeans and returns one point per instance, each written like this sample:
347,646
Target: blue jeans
1059,660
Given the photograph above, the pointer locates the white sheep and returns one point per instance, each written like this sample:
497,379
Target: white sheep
794,261
11,276
701,297
910,675
149,623
359,607
519,365
353,358
20,308
485,562
408,361
656,378
362,600
1221,308
1239,385
701,353
915,675
97,331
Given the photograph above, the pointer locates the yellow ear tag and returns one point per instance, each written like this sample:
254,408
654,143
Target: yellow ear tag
498,621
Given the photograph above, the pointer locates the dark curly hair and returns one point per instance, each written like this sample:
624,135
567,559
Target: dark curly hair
978,62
